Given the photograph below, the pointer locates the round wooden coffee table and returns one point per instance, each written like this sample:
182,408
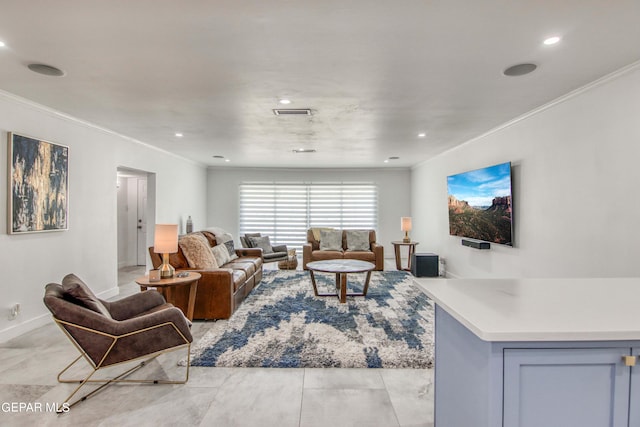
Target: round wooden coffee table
341,267
166,286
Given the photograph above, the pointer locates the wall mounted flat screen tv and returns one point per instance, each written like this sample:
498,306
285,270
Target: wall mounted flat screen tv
480,204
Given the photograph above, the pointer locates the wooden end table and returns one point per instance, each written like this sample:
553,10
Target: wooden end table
166,287
341,267
396,247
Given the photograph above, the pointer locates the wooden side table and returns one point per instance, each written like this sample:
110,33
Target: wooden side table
396,247
167,286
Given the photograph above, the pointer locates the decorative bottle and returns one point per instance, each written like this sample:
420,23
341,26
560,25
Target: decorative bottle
189,225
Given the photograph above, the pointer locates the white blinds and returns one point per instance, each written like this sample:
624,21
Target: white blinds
284,211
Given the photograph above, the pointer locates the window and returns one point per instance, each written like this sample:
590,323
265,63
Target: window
284,211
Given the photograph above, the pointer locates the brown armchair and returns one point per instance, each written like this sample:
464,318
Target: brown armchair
105,333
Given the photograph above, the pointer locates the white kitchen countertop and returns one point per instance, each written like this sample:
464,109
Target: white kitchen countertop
587,309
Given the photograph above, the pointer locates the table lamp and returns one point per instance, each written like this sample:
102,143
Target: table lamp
405,225
165,243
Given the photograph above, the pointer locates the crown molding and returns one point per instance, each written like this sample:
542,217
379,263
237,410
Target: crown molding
75,120
574,93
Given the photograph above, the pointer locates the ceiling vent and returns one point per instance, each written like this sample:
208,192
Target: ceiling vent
292,111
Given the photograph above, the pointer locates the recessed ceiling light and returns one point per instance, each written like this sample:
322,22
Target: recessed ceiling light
179,135
304,150
422,135
47,70
2,44
227,160
519,70
552,40
386,160
285,101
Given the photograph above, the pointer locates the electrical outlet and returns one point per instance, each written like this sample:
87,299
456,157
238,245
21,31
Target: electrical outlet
14,311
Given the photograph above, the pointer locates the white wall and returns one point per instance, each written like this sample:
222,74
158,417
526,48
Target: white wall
394,190
89,248
575,189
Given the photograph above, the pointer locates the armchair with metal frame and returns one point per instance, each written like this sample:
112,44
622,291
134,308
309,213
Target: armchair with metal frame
141,326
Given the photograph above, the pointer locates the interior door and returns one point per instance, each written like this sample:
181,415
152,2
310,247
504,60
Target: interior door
142,222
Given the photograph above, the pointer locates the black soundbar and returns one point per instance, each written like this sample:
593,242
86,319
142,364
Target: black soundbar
476,244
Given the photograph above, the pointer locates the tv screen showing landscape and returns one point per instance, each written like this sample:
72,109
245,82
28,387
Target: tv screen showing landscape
480,204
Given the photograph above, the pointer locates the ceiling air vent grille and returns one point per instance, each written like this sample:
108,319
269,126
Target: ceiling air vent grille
292,111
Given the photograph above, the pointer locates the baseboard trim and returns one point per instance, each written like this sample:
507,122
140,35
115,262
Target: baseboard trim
24,327
43,319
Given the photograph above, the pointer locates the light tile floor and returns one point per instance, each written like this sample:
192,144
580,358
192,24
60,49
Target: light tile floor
218,397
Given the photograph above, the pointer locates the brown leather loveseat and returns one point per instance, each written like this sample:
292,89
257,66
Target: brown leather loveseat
220,290
311,250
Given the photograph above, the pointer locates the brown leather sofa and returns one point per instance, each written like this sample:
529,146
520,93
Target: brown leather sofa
220,290
311,251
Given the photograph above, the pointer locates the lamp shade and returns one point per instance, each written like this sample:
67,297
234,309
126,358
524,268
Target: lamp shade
166,239
405,223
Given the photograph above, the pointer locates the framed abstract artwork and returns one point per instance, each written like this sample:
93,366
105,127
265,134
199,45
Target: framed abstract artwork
38,185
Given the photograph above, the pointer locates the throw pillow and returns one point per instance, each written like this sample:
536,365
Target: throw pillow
227,240
231,249
330,240
357,240
211,238
79,291
221,254
316,232
197,251
248,236
263,243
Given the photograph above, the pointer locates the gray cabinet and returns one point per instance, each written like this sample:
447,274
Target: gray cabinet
532,384
587,387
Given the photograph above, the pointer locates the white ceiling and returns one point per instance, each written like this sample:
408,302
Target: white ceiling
375,73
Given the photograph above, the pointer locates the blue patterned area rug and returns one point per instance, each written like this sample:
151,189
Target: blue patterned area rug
283,325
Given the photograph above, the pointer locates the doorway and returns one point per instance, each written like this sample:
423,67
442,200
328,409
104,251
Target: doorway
135,210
